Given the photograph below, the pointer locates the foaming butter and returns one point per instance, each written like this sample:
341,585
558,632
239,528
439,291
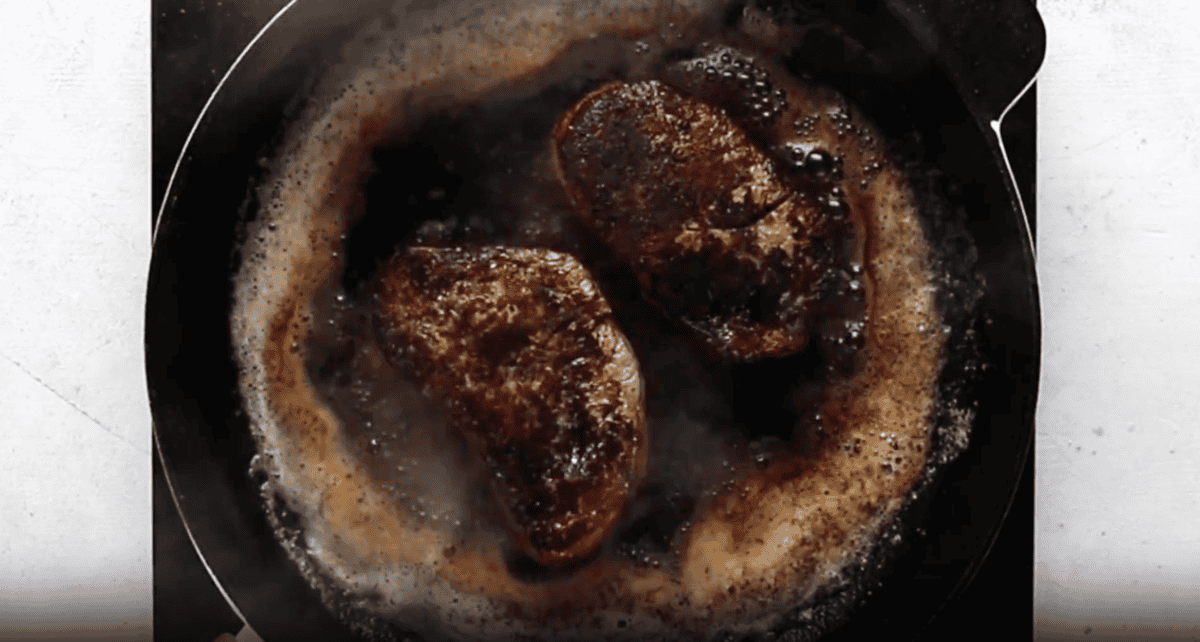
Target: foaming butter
390,530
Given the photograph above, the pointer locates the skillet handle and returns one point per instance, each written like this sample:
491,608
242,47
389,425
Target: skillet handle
992,49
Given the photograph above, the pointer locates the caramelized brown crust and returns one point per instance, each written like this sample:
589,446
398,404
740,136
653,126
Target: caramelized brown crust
681,194
523,350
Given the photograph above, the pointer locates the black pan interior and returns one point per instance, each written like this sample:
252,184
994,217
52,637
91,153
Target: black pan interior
867,50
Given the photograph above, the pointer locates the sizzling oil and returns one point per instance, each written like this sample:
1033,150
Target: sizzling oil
743,516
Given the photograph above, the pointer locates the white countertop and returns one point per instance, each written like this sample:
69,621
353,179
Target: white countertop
1118,450
1118,446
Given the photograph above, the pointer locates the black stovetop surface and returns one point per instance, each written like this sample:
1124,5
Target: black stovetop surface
193,43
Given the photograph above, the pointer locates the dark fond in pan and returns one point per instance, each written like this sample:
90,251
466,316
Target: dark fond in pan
906,65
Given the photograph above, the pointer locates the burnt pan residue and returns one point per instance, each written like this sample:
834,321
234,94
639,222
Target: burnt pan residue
775,486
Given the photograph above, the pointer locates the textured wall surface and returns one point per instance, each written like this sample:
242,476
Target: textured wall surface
1118,479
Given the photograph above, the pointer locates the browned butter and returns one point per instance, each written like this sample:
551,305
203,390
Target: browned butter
391,525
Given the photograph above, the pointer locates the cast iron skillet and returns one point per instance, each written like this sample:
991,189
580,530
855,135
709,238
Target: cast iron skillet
943,70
